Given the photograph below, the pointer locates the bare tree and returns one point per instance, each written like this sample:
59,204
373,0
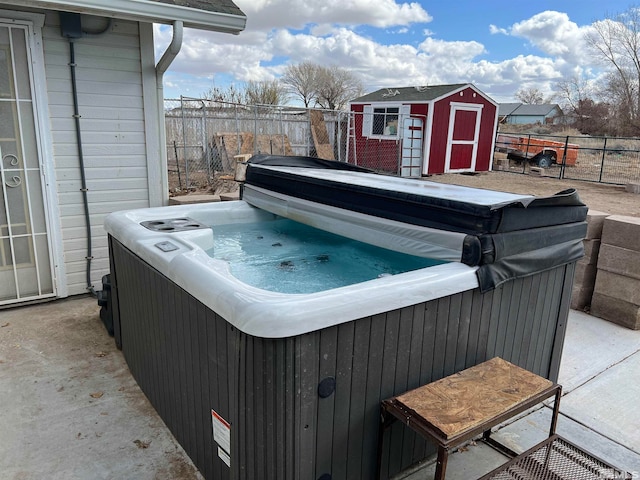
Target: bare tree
230,94
614,91
615,42
301,81
269,92
570,92
336,86
531,96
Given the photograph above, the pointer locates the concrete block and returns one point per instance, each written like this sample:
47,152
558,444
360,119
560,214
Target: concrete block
616,311
585,273
591,249
536,171
618,286
193,198
622,231
244,157
619,260
500,164
581,296
226,197
632,187
595,221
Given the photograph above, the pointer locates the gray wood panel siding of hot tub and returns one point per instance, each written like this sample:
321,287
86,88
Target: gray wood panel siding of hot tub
189,360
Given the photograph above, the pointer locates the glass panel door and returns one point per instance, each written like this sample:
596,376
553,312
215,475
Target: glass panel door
25,265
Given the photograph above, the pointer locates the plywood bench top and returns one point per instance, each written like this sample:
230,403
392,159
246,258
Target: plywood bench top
471,399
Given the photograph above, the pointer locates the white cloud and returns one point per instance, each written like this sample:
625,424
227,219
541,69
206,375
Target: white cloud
268,14
457,51
496,30
324,33
554,34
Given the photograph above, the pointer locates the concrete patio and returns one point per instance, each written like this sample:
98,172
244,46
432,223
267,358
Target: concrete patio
71,409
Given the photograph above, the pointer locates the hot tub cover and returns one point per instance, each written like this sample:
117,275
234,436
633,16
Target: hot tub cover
508,235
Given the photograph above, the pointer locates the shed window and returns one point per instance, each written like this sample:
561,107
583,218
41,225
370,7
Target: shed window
385,121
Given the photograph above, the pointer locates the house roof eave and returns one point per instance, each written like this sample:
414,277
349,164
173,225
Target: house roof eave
146,11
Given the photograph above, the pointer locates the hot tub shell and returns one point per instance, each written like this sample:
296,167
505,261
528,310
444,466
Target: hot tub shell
301,398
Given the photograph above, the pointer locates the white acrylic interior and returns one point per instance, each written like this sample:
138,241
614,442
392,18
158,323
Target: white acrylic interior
259,312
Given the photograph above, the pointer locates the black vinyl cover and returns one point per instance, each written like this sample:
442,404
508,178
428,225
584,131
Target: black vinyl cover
506,242
305,162
423,210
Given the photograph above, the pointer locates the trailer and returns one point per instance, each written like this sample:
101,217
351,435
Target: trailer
541,152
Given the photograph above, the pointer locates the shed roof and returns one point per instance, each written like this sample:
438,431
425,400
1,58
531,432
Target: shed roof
215,15
410,94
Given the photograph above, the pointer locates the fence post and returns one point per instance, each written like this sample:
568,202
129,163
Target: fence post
205,142
184,144
564,158
255,129
339,135
309,135
282,134
175,152
526,154
604,152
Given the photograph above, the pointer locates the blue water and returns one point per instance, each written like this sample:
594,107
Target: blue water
289,257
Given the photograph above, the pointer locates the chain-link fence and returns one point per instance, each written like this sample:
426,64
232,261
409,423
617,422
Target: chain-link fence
595,159
204,136
387,140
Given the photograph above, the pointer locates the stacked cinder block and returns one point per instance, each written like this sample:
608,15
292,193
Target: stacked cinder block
586,268
500,161
616,296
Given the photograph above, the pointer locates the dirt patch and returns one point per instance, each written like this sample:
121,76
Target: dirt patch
611,199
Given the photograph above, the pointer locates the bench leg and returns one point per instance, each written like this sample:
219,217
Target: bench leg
441,463
556,410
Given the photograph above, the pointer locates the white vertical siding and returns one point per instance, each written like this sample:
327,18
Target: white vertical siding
110,94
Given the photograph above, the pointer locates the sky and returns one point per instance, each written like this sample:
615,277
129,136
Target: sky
499,46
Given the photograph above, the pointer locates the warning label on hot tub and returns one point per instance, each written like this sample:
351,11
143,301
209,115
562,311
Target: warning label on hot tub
222,436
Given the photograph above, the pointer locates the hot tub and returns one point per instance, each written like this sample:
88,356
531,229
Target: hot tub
257,383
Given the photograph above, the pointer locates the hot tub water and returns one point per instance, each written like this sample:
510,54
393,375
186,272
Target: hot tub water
286,256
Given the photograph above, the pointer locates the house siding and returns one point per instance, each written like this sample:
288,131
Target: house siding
110,96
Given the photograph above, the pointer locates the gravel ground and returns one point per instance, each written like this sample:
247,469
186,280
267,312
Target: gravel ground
612,199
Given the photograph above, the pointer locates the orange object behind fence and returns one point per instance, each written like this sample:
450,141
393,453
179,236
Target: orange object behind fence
528,147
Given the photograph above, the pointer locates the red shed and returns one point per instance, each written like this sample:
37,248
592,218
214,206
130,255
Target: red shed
416,131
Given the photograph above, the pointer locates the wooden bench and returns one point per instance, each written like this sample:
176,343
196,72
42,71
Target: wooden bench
468,404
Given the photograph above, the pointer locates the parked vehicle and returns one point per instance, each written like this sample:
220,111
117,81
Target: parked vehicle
537,151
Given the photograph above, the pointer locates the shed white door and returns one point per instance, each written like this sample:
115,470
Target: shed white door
462,142
26,271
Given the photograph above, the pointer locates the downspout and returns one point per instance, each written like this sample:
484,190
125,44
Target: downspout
162,66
